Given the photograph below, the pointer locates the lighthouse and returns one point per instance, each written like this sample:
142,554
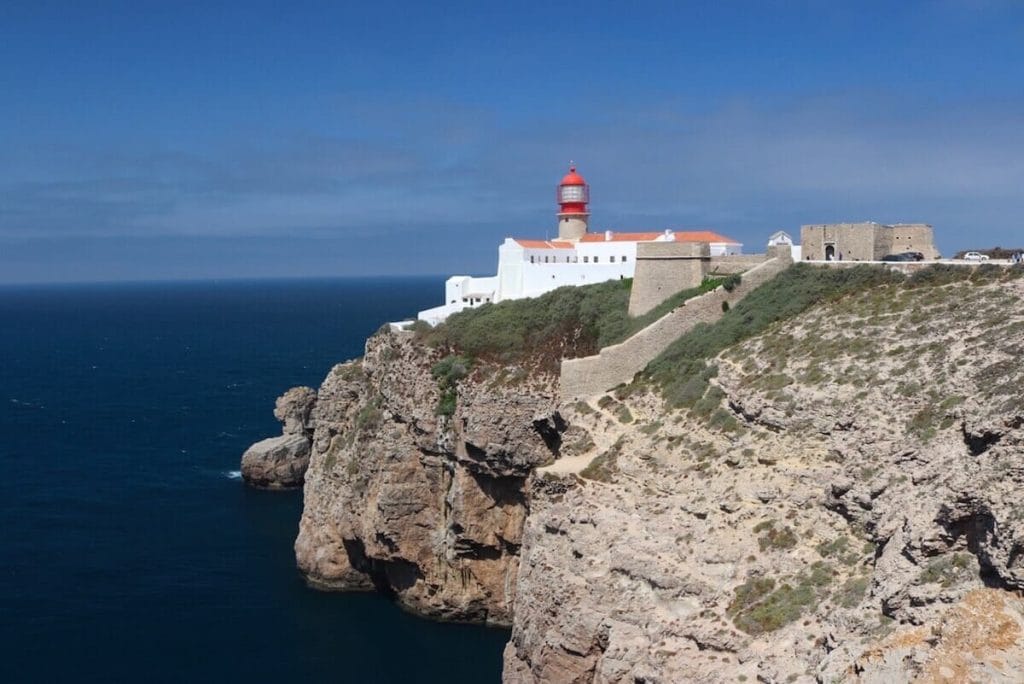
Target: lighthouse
572,196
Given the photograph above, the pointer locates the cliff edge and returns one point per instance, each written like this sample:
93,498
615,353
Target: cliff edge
415,483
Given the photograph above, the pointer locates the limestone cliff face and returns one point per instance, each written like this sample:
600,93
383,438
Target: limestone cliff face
845,505
425,506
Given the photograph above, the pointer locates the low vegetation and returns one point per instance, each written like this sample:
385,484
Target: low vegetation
761,604
566,323
682,371
605,465
448,371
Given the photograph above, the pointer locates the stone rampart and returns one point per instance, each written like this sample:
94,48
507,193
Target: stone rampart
618,363
665,268
734,263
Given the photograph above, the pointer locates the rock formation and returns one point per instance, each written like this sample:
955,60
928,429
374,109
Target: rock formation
423,505
839,500
846,507
281,462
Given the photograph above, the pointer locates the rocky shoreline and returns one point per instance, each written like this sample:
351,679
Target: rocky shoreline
841,504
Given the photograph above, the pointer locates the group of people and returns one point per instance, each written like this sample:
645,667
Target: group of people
1017,258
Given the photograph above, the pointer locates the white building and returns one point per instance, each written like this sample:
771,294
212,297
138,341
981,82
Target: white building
781,237
529,268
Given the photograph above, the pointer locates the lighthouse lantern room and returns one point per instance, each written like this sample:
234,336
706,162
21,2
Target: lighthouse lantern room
572,196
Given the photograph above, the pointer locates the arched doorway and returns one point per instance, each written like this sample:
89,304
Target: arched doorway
830,252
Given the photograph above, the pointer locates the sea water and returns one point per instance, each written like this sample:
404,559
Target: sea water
130,550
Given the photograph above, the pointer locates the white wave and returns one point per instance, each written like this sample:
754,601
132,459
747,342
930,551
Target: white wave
233,474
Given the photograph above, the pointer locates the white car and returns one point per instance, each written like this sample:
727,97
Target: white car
975,256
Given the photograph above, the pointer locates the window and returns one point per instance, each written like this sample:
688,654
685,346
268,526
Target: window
545,260
612,258
623,258
596,259
531,258
586,260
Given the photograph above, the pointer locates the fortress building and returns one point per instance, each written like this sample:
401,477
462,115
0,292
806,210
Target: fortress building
531,267
866,241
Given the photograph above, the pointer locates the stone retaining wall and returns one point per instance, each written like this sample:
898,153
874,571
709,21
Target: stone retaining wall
734,263
591,375
664,269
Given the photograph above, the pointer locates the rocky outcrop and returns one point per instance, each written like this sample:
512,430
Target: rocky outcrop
843,504
838,501
425,506
281,462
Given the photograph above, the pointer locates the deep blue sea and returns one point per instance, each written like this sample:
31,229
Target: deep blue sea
129,550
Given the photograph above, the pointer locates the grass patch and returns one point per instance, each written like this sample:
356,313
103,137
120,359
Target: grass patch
682,372
565,323
852,592
605,465
944,570
763,605
775,538
447,372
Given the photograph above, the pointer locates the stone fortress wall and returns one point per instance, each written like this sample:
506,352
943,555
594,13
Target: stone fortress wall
734,263
618,363
865,241
665,268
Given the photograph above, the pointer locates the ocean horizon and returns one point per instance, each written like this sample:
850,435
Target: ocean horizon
132,550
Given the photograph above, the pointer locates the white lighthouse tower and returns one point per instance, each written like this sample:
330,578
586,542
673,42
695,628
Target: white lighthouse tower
572,196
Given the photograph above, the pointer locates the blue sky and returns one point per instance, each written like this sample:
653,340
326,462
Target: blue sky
145,140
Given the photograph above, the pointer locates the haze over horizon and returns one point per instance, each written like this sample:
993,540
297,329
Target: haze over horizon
143,141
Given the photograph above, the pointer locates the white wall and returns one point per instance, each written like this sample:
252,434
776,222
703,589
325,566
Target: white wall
518,277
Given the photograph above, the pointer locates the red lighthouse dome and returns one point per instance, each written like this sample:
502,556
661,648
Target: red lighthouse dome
573,193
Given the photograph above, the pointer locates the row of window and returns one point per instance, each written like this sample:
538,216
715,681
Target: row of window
474,300
572,259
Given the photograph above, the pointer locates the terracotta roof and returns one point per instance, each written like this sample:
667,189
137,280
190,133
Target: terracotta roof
702,236
680,236
543,244
621,237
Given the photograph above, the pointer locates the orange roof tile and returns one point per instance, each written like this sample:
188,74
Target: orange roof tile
680,236
702,236
543,244
621,237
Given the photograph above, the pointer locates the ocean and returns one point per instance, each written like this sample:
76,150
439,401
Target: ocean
131,550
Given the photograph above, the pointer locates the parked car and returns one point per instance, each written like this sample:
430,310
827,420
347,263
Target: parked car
975,256
904,256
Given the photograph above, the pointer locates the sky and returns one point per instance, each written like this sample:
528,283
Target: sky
149,141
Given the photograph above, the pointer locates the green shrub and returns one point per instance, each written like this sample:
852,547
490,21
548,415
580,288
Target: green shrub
938,274
680,370
775,538
731,282
605,465
987,273
565,323
852,592
448,371
761,605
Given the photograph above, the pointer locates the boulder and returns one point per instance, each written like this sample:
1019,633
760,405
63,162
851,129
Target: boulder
277,462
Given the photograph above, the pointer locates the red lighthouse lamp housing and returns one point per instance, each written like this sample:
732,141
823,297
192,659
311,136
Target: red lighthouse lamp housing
573,193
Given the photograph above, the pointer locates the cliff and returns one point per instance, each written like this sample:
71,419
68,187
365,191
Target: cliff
823,485
841,502
426,506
